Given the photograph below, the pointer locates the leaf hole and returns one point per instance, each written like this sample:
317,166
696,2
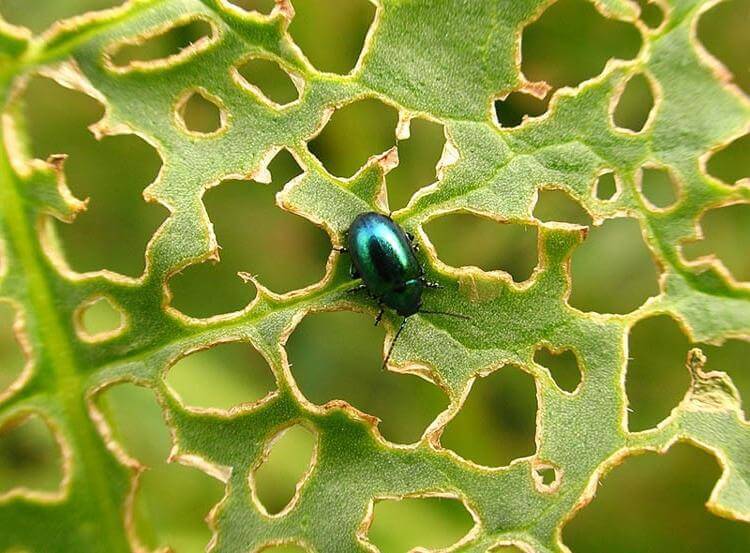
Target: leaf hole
269,80
348,21
497,422
418,157
12,356
518,107
145,437
731,164
117,212
613,271
405,403
722,29
463,239
731,357
260,6
656,376
563,366
30,456
221,377
721,227
558,205
288,459
252,231
652,13
366,128
17,12
670,492
634,105
659,187
546,477
99,319
201,114
162,45
418,524
605,187
230,293
571,42
135,419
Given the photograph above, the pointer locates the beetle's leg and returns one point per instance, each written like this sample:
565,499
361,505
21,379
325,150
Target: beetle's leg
430,283
356,289
379,317
412,241
427,283
353,272
393,343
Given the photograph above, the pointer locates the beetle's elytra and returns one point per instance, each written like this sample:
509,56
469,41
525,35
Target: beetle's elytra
384,257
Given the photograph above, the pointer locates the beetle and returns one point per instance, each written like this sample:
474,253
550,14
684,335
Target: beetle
384,256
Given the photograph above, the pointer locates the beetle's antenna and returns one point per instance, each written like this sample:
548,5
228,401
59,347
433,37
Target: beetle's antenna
393,343
446,313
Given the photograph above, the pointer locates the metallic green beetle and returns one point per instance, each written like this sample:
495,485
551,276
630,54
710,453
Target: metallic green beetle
383,256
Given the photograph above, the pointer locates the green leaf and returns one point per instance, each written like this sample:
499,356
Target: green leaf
446,61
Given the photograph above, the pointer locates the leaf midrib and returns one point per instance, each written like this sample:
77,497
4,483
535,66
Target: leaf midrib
68,382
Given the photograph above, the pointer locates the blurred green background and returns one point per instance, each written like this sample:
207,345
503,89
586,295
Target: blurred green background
648,504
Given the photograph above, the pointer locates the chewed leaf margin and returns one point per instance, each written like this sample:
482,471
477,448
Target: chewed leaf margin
485,169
